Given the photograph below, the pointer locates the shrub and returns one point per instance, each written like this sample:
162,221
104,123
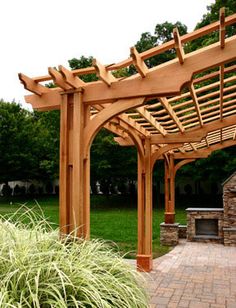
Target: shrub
6,190
32,189
37,269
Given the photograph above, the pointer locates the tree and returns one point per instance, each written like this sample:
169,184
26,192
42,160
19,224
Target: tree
162,34
17,143
28,144
211,16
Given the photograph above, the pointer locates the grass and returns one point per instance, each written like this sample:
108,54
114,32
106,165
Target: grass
113,218
38,269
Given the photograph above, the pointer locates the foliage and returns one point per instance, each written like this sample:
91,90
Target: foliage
40,270
211,16
110,161
28,143
18,141
163,33
215,169
83,62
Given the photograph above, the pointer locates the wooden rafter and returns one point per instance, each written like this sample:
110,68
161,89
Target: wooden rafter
147,115
234,136
171,113
195,100
221,90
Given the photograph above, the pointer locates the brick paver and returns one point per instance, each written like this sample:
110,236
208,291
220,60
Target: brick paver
195,275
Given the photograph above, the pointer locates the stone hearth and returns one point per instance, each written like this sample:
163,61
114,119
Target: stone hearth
205,224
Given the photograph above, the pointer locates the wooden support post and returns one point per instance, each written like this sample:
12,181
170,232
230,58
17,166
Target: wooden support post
74,167
144,256
169,190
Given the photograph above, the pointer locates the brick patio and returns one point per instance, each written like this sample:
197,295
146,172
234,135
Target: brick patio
194,275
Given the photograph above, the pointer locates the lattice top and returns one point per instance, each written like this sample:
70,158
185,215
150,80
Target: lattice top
189,102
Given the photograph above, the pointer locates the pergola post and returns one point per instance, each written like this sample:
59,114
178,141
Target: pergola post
169,229
169,190
144,256
74,167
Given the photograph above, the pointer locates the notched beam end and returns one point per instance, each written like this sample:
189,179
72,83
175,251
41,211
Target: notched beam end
58,79
103,74
178,45
32,86
70,79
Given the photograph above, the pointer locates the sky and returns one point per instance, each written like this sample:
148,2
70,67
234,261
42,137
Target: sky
37,34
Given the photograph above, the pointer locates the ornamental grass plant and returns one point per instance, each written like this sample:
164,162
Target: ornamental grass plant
38,269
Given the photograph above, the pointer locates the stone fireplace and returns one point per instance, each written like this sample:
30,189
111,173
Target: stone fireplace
215,224
205,224
207,227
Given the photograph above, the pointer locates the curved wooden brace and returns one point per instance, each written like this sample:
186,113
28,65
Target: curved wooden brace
182,163
105,115
163,150
137,141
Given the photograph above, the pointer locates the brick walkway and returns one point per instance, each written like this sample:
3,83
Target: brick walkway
194,275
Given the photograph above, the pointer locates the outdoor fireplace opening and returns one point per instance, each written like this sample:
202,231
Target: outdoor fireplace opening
207,227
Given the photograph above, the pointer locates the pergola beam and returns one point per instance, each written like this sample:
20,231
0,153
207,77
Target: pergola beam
205,152
32,86
158,82
195,134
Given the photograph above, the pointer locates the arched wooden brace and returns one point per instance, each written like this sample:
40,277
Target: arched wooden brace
144,256
105,115
77,133
157,154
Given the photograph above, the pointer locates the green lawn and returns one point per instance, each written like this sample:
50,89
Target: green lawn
113,218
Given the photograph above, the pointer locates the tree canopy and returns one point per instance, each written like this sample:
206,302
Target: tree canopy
28,143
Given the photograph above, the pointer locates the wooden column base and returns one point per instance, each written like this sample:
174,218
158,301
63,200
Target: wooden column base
144,263
169,218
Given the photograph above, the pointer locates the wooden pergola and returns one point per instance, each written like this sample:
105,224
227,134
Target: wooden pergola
178,111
